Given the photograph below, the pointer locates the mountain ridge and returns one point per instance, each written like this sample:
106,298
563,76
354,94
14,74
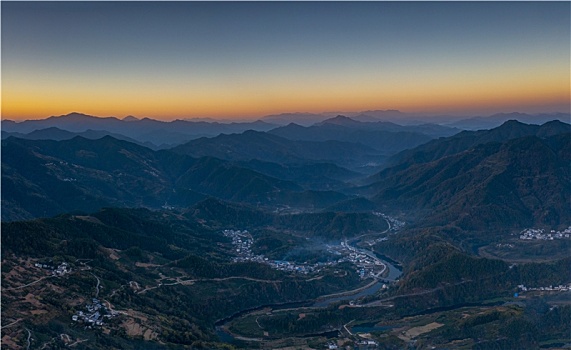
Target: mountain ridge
143,130
464,140
518,183
269,147
45,177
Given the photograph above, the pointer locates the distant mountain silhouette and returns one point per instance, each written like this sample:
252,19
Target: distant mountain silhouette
384,114
433,130
495,120
52,133
365,118
298,118
386,142
271,148
57,134
341,120
143,130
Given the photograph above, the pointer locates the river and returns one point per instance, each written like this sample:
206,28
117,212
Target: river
394,273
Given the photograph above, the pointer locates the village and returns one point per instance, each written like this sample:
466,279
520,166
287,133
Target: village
559,288
96,311
362,344
60,270
243,240
367,265
539,233
95,315
394,224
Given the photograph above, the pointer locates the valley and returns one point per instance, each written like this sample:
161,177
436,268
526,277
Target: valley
254,240
106,313
285,175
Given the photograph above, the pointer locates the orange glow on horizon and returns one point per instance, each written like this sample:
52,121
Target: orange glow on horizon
469,106
517,93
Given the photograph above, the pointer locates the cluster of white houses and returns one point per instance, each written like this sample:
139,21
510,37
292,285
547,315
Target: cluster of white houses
367,266
539,233
95,314
362,344
242,242
559,288
394,224
60,270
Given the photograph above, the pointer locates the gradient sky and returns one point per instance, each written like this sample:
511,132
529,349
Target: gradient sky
212,59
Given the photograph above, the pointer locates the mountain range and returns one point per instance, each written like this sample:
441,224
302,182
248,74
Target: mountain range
245,233
514,175
56,134
268,147
160,133
496,120
409,119
360,146
464,140
454,178
374,135
45,177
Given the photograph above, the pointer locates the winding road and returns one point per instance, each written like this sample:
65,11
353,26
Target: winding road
348,292
29,284
347,329
11,324
28,340
208,280
97,286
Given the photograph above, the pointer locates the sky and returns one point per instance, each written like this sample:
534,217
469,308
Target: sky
169,60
